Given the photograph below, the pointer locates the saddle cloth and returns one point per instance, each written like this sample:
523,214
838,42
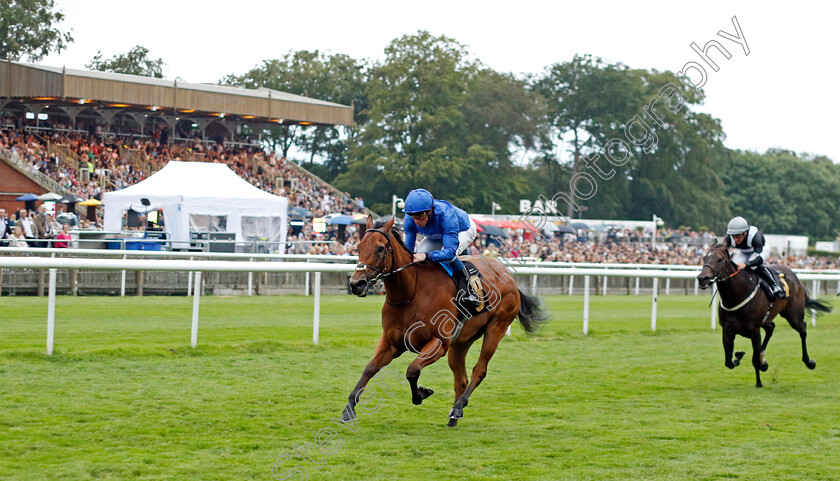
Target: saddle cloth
476,282
766,286
785,285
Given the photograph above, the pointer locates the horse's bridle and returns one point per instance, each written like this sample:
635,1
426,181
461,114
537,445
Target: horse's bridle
719,280
388,272
388,250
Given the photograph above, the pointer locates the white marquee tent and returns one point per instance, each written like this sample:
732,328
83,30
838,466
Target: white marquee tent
201,196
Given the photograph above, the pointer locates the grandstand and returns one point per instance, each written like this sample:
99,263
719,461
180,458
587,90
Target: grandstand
82,132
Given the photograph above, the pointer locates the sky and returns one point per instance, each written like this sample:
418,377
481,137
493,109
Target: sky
780,95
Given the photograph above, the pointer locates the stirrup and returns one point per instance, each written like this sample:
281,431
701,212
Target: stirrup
469,296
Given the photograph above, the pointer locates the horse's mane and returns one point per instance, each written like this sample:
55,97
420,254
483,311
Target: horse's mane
718,246
380,223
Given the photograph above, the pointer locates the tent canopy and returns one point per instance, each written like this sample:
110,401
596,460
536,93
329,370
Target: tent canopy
185,190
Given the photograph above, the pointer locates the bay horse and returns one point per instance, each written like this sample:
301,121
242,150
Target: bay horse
420,315
745,307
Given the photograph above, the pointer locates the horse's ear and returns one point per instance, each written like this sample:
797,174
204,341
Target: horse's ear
369,222
389,225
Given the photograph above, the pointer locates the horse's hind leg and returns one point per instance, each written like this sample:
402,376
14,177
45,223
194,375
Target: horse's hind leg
756,359
494,334
431,352
797,322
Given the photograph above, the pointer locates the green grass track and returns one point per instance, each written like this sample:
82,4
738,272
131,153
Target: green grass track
125,397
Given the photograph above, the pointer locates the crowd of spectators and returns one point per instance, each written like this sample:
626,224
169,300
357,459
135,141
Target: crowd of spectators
630,250
673,246
807,262
117,161
32,228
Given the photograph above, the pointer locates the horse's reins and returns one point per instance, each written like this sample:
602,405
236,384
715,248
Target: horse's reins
389,272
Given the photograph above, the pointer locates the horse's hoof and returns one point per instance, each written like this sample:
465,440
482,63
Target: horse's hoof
348,415
739,355
456,413
424,392
811,364
758,384
452,423
764,366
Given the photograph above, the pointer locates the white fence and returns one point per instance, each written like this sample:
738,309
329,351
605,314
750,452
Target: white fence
515,265
196,267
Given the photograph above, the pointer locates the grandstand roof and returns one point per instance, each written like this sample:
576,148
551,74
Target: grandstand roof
41,83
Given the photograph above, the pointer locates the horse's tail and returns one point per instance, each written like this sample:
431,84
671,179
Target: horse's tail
531,313
817,305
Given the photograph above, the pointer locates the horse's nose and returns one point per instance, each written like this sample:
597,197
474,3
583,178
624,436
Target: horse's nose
703,281
358,286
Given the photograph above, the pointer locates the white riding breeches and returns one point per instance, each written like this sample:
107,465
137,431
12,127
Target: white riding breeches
465,238
744,257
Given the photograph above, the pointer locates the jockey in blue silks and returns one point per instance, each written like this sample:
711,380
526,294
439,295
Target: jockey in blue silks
448,231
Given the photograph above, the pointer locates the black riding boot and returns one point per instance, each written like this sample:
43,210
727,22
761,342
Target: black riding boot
470,297
772,278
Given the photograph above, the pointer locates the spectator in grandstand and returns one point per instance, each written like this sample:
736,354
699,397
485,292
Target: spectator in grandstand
42,226
63,238
17,239
25,223
5,226
748,243
448,231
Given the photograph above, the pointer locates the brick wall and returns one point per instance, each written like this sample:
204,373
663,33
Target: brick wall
13,184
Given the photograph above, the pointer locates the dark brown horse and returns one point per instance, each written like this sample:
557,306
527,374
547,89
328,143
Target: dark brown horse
420,315
746,308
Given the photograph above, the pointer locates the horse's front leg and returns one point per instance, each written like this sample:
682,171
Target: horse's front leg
431,352
758,355
384,354
728,347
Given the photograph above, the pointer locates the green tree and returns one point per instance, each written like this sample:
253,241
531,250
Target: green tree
414,133
505,120
587,99
28,28
134,62
754,192
783,193
334,78
502,113
677,175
